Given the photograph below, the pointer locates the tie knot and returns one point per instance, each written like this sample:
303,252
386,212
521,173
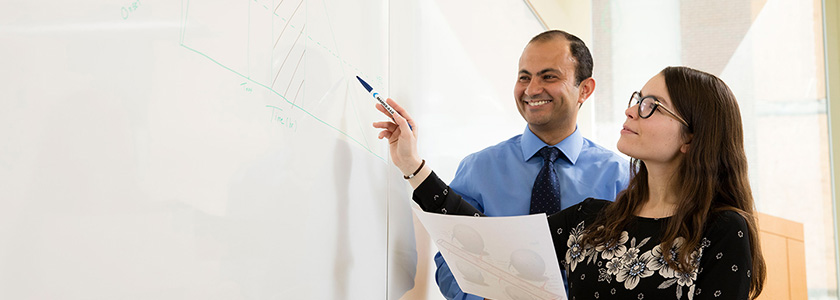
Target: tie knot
549,154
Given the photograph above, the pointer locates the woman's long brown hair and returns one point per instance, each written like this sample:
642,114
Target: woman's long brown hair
711,177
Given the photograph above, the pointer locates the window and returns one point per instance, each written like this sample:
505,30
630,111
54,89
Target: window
770,53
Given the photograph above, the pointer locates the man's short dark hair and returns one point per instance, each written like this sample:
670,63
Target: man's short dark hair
583,66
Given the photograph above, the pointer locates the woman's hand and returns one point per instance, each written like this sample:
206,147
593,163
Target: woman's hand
401,137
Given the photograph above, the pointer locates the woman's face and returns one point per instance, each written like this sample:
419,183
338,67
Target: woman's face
658,138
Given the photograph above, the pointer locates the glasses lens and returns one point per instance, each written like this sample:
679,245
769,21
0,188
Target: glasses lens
634,99
646,107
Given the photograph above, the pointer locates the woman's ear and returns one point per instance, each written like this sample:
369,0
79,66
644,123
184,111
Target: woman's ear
687,144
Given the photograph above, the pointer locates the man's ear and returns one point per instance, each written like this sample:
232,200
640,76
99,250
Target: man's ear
585,89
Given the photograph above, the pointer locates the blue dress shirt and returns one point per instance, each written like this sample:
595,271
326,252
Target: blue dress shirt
498,181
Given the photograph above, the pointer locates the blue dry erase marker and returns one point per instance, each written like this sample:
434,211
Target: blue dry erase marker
378,98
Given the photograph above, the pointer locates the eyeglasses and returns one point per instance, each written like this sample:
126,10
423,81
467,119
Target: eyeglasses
648,104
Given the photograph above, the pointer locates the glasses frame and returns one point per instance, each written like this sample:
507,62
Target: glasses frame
656,104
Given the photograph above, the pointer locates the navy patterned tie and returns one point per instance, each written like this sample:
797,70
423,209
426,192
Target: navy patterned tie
545,197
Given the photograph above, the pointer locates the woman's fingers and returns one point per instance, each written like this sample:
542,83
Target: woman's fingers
385,125
403,124
385,134
382,109
388,129
400,110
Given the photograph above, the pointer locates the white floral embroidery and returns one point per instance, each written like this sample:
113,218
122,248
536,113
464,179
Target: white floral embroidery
614,249
635,270
690,293
628,264
686,279
604,275
660,261
629,255
683,280
614,265
695,258
576,252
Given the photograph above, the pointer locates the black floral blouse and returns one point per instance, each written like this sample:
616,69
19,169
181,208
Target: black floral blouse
633,267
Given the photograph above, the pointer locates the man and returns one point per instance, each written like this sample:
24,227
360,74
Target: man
555,78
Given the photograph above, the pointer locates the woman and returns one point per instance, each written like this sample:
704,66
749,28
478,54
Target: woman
683,229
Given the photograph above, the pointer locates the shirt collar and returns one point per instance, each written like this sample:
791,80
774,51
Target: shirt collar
570,146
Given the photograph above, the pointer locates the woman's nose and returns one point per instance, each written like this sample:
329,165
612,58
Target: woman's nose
632,111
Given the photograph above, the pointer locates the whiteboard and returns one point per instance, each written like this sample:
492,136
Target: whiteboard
192,149
198,149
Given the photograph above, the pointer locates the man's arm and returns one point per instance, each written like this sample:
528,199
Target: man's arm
443,276
446,282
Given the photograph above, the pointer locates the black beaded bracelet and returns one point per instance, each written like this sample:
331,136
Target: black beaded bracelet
423,163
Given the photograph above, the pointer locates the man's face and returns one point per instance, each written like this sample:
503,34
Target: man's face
545,91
